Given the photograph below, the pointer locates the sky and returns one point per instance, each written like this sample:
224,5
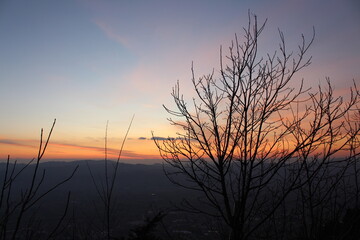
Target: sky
87,62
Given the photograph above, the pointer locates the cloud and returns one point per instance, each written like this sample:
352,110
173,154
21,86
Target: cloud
171,138
18,142
71,151
7,141
158,138
162,138
111,33
112,152
79,146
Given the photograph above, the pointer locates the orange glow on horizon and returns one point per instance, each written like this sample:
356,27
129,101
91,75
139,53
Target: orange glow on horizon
133,149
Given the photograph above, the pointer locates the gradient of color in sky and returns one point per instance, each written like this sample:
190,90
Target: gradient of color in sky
86,62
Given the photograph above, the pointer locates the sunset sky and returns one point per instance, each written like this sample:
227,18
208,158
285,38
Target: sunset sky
89,62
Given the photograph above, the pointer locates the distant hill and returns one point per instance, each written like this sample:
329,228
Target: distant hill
140,190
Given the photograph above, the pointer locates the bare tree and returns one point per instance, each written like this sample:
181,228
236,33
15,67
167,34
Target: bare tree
14,207
249,136
106,188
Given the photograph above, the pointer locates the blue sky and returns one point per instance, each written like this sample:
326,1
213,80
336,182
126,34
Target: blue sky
86,62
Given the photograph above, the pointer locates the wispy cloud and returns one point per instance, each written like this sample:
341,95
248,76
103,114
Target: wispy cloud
19,142
111,33
112,152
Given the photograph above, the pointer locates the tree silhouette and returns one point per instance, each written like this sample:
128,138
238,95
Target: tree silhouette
15,222
145,231
106,189
251,139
